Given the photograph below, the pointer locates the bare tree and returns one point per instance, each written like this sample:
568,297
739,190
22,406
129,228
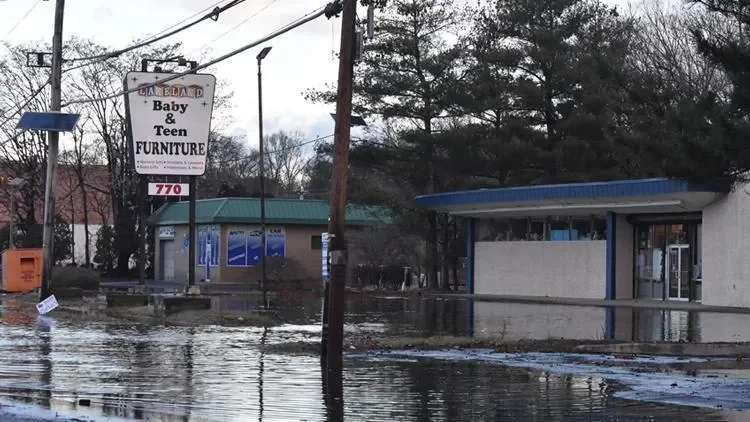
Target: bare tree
665,48
286,160
22,154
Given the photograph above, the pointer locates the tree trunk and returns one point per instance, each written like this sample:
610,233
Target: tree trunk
72,227
86,238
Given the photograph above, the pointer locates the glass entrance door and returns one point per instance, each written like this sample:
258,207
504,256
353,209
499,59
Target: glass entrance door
678,271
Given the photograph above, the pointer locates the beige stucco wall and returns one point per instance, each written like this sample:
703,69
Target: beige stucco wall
726,241
306,260
298,249
538,268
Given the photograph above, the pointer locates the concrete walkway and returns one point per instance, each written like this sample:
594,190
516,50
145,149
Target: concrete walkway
618,303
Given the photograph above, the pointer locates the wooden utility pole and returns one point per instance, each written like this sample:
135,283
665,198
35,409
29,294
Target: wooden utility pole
48,237
337,221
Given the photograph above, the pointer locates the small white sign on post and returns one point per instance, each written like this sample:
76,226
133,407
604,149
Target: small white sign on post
168,189
170,122
47,305
324,257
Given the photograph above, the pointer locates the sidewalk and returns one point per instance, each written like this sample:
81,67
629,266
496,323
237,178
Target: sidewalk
618,303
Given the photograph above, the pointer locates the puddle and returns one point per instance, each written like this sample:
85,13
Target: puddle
210,373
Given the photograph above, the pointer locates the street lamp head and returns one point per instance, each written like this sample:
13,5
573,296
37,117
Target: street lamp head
263,53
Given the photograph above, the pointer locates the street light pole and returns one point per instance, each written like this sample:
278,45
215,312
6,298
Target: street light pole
262,55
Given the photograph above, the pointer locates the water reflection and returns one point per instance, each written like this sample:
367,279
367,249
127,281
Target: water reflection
513,321
212,373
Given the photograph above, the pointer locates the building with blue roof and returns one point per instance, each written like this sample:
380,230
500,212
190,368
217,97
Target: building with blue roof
648,238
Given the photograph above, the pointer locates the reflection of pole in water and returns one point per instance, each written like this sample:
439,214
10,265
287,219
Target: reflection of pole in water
260,373
46,363
333,395
188,353
470,317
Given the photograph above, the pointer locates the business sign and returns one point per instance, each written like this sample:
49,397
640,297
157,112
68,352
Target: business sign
169,189
244,246
275,242
170,122
324,250
166,232
208,245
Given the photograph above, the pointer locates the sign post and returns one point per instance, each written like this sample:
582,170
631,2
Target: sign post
169,128
208,257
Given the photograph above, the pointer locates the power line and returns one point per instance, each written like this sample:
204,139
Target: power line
244,21
27,102
278,150
212,15
103,57
23,18
186,19
310,17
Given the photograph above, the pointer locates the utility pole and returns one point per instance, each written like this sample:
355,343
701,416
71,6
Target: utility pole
48,238
337,222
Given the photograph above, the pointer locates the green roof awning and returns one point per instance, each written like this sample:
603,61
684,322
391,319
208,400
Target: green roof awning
278,211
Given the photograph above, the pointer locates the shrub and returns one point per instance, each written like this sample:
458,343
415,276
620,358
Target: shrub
74,277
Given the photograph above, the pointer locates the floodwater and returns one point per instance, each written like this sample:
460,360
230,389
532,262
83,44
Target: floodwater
130,372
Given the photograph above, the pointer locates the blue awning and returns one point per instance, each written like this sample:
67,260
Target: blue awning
662,195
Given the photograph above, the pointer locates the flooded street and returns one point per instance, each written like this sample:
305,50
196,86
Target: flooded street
97,371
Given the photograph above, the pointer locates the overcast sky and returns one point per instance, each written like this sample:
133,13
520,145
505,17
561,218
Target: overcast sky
300,59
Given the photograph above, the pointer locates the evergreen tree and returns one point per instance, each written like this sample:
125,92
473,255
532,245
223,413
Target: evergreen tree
403,78
546,112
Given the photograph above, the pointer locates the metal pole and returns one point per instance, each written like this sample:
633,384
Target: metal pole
262,177
336,223
54,137
192,236
142,192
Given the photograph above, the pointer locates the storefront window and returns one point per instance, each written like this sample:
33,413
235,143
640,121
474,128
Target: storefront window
537,230
553,228
559,229
518,229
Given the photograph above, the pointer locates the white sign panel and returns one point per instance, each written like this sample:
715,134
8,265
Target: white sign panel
324,250
168,189
166,232
47,305
170,122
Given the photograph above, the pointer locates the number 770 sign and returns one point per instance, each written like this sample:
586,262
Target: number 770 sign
168,189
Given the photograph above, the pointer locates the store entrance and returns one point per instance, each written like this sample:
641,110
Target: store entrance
668,261
678,260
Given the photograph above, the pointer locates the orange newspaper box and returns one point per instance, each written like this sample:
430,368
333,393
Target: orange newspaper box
22,270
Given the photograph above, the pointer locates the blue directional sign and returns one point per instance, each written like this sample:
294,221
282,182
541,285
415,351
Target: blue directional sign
53,121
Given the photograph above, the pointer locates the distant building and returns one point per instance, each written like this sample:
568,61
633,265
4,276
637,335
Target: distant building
651,238
228,238
69,204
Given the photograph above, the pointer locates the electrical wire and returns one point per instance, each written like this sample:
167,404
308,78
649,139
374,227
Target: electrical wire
278,150
103,57
116,53
244,21
27,102
309,17
186,19
23,18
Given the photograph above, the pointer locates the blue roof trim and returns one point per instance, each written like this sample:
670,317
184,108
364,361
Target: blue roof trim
614,189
